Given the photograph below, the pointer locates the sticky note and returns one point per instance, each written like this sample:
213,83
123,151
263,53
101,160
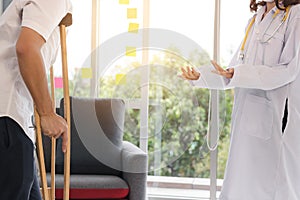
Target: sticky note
133,28
86,73
131,51
124,2
58,82
131,13
120,79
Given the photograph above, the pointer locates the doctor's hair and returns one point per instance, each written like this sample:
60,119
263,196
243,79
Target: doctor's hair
285,3
280,4
254,5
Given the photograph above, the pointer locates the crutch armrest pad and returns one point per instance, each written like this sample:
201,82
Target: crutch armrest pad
67,20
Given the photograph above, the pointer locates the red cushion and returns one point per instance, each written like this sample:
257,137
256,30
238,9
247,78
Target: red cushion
89,193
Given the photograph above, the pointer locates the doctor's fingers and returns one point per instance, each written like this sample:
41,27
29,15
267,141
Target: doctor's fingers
226,73
195,72
190,74
185,73
217,66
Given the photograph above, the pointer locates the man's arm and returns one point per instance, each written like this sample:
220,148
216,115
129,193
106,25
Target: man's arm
32,69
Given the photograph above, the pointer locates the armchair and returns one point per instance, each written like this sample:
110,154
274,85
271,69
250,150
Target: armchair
103,166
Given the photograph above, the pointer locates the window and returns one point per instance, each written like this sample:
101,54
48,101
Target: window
179,123
79,50
165,115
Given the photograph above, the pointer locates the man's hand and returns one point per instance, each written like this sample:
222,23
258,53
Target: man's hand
55,126
189,74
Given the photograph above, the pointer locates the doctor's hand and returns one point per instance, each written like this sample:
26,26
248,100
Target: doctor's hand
55,126
189,73
220,71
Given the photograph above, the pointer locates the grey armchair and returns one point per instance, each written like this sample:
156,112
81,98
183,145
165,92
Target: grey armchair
103,166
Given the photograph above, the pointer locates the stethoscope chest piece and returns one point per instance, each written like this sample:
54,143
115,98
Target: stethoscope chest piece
241,56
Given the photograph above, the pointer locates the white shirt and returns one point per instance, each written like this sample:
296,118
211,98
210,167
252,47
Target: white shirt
43,16
263,162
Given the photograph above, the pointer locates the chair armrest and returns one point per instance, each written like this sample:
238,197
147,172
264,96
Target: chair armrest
135,165
134,160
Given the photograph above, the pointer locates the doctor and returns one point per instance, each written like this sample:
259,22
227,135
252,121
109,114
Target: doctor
264,156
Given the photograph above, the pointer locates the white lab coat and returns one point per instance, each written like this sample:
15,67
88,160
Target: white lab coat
263,162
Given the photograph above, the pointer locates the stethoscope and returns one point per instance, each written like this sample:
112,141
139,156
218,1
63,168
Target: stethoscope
242,49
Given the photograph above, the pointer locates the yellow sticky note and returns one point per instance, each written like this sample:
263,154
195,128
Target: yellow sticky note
131,51
86,73
120,79
133,28
124,2
131,13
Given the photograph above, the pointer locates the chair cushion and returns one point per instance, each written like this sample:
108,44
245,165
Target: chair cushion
96,136
92,187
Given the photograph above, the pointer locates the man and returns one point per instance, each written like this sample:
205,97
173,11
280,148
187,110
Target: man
29,39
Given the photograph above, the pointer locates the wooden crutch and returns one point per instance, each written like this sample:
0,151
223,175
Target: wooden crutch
46,192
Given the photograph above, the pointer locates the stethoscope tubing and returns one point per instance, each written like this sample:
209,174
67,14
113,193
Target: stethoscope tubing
242,49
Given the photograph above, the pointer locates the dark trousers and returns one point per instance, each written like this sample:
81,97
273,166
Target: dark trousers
18,180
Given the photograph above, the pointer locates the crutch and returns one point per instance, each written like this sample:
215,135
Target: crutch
46,192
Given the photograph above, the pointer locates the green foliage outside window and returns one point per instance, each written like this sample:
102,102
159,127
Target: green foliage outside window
178,114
